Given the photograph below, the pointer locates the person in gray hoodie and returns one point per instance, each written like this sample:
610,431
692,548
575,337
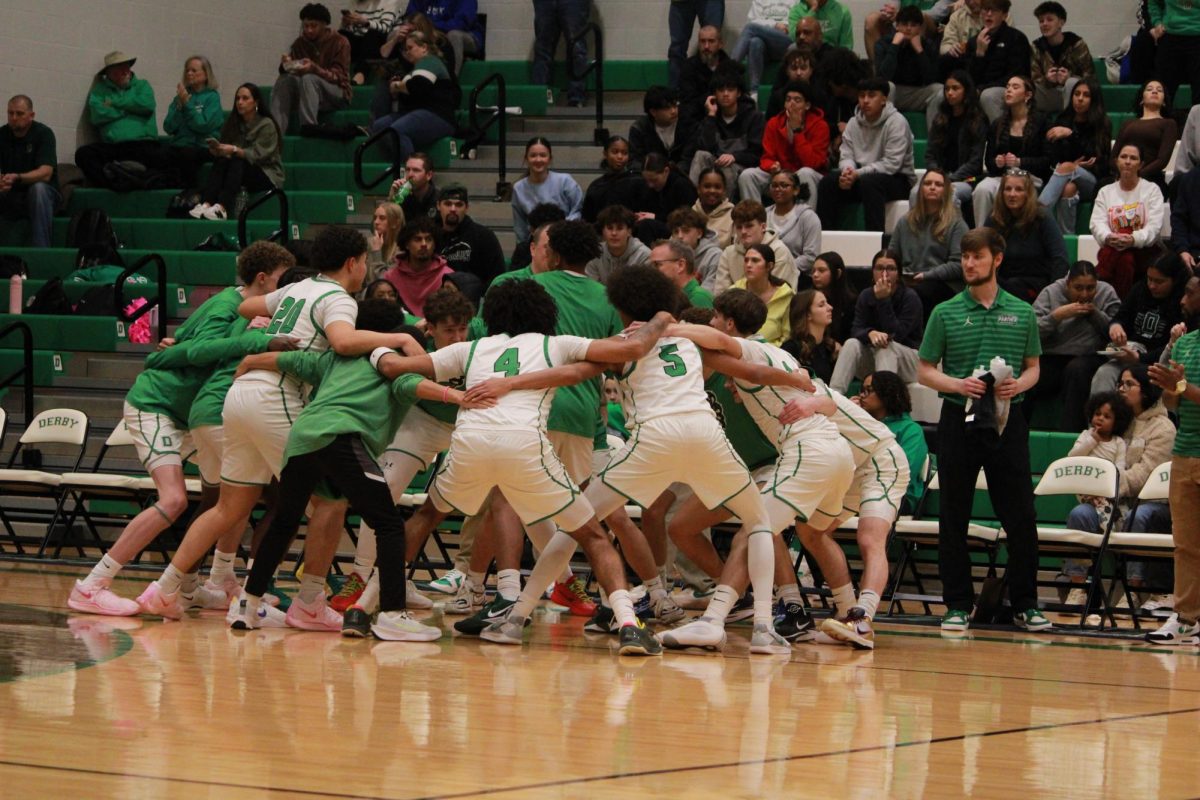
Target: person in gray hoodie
619,248
875,164
796,224
928,241
1073,316
690,227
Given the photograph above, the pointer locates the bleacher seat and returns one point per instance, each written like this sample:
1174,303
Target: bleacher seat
856,247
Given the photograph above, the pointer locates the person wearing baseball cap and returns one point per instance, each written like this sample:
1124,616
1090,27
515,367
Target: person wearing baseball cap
466,245
121,107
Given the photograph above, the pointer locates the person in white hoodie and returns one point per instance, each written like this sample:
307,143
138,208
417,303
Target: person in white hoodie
690,227
875,164
620,249
750,228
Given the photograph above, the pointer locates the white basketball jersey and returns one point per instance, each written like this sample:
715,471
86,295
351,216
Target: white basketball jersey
668,380
500,356
765,403
865,434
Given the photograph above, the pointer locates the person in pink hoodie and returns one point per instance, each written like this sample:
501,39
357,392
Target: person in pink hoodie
419,270
794,140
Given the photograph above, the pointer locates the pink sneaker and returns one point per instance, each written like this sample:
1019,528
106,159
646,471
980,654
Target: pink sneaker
95,599
157,604
317,616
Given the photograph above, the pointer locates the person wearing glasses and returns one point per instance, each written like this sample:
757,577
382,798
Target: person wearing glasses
887,327
885,396
677,261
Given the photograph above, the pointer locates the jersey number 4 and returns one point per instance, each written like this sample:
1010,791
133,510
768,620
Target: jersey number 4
286,316
508,363
674,366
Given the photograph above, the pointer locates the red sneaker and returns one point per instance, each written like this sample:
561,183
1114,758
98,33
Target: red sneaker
348,595
572,596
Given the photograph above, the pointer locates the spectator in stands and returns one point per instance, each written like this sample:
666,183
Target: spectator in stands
458,21
1185,218
837,78
750,226
1035,254
677,261
830,278
466,245
314,74
426,96
542,185
794,223
386,224
887,327
964,24
766,35
1138,65
526,254
881,24
1142,327
731,134
927,242
193,117
419,270
659,132
810,34
1154,132
795,142
380,289
422,198
28,171
615,185
1060,60
1176,25
407,24
811,343
875,163
1080,144
366,25
758,277
552,19
1074,314
994,55
908,61
1189,141
121,107
884,395
690,227
693,77
618,248
956,140
1127,221
799,65
1015,141
712,200
660,190
836,24
249,155
1004,327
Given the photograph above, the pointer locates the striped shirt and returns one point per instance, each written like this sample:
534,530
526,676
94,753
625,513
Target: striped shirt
1187,353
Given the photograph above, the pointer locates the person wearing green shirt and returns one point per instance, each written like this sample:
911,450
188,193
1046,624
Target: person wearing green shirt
834,17
193,117
1181,391
121,107
677,261
964,334
885,397
28,171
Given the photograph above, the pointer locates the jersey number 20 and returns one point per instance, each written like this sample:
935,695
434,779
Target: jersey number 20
674,366
286,316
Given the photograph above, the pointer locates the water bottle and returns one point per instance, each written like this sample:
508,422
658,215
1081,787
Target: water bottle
401,194
14,294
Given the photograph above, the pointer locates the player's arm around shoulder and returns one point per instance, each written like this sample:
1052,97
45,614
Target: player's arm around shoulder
631,345
392,365
567,375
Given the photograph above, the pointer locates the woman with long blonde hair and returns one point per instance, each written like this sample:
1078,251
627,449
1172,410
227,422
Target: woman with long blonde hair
1035,254
927,241
382,248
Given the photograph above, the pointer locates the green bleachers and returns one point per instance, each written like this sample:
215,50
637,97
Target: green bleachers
47,364
174,234
303,206
178,304
184,267
55,332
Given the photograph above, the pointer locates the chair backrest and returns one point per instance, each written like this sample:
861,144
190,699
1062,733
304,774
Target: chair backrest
57,425
1080,475
1158,485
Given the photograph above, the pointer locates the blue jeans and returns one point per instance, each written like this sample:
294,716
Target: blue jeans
1065,209
417,129
680,18
552,18
1148,518
35,203
757,42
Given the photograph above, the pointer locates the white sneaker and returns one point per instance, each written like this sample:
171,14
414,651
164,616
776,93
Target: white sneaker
1076,597
703,633
449,583
667,611
505,631
398,626
1159,605
693,599
268,616
765,640
197,211
414,599
215,212
468,600
206,595
1174,632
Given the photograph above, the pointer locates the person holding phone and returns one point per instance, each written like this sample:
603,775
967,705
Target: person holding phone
248,154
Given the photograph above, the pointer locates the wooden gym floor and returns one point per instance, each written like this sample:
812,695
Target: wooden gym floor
95,707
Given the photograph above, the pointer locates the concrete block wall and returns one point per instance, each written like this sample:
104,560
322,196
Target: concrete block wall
51,49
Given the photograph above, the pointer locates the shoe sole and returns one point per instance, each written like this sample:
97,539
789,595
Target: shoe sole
88,608
404,636
496,638
637,650
239,625
315,628
355,633
843,633
674,644
770,650
1034,628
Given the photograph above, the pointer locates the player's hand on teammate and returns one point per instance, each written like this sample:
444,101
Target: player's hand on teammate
798,409
492,390
251,363
283,344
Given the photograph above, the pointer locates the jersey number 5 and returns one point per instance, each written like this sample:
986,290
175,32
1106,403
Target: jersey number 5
507,363
674,366
286,316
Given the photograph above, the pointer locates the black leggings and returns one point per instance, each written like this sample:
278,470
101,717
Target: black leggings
228,175
347,466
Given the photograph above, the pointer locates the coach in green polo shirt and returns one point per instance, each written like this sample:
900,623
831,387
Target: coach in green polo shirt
677,261
965,333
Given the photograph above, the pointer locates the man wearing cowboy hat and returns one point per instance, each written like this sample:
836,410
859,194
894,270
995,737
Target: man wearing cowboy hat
121,107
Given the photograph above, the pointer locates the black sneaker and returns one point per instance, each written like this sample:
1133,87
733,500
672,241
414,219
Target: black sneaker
636,640
603,621
742,609
356,623
794,623
481,619
643,609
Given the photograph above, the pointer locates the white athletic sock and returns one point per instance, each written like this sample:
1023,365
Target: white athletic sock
311,587
868,601
760,559
364,554
555,556
843,598
654,587
622,607
604,598
103,573
222,567
791,594
719,606
508,583
189,583
369,600
478,580
170,581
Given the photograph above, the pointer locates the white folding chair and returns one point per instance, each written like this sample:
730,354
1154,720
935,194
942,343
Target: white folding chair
1129,546
57,426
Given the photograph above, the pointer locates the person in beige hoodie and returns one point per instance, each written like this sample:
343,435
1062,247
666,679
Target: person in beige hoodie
713,202
750,228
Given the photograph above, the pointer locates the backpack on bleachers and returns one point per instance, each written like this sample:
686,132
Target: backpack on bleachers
50,299
90,232
12,266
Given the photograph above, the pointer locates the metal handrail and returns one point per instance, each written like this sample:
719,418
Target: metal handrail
284,233
26,369
595,66
160,297
394,171
499,115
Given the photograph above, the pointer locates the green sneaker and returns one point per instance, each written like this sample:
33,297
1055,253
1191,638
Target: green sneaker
484,617
1032,620
636,640
956,621
285,599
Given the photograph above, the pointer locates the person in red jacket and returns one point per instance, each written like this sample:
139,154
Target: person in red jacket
794,140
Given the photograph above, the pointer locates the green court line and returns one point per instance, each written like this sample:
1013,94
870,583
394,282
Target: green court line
124,645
